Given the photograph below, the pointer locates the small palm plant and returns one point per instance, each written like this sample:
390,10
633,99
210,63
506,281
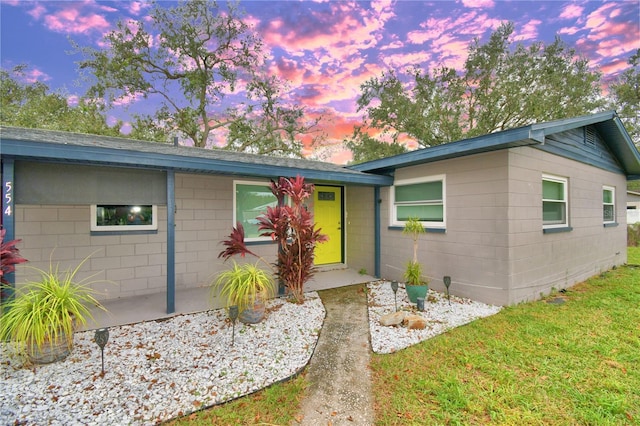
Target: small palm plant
413,271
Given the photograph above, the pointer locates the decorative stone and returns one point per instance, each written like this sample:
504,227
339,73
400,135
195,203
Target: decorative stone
394,318
415,322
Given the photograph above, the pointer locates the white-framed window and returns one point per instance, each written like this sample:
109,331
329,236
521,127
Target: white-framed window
250,200
110,217
421,198
608,204
555,202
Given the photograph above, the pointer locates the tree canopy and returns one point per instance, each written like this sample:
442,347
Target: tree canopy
366,148
188,59
33,105
626,97
499,88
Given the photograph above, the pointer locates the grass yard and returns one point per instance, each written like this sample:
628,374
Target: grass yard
534,363
633,255
276,405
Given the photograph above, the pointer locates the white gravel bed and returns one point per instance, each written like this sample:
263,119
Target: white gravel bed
158,370
440,315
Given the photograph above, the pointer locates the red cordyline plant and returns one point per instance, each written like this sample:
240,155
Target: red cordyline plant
9,257
292,226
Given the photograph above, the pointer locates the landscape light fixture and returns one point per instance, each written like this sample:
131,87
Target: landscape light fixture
102,337
447,283
233,315
394,287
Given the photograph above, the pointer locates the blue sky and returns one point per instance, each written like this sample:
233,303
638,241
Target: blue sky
327,49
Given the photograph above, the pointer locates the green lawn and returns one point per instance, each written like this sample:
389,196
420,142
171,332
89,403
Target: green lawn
633,255
534,363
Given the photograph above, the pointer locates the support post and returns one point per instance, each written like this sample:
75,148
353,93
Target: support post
171,242
376,220
8,216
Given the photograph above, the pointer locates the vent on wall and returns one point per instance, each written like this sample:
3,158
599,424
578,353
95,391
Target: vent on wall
590,136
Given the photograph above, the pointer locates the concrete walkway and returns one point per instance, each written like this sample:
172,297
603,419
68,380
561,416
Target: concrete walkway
340,381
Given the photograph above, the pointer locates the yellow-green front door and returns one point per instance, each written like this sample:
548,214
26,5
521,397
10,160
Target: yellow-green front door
327,210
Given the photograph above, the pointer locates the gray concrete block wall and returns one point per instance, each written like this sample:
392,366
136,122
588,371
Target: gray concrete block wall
360,231
60,235
204,218
474,249
541,262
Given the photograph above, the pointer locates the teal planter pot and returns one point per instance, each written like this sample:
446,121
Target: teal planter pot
415,291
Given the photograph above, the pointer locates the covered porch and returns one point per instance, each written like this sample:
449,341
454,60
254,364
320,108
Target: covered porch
153,306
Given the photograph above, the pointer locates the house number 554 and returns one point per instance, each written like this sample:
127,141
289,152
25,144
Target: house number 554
8,196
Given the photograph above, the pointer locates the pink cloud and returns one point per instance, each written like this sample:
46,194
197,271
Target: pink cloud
71,20
37,11
477,4
528,31
128,100
569,30
571,11
34,75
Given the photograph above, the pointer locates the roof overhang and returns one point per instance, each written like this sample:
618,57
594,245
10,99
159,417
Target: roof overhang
608,124
180,160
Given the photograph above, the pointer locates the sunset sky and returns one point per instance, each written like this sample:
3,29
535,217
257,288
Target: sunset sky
327,49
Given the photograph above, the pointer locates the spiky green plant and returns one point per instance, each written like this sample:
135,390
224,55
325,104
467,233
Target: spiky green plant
242,284
413,271
43,311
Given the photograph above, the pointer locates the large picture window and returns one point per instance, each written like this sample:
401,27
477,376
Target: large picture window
124,217
608,204
555,204
423,199
251,200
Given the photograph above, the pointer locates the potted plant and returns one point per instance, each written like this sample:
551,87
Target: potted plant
415,285
247,287
41,317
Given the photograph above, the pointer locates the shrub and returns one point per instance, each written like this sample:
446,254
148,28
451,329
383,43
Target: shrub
292,226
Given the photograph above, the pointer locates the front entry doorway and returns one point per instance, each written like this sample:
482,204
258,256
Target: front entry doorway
327,209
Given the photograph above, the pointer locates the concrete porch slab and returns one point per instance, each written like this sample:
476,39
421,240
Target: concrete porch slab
153,306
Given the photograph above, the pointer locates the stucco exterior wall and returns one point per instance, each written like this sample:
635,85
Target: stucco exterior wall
541,262
360,231
473,250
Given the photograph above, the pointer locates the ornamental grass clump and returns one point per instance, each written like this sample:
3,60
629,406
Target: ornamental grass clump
293,228
243,284
46,312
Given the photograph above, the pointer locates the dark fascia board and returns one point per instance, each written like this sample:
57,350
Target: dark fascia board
42,151
618,140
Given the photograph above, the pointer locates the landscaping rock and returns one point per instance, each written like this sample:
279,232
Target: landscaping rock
415,322
392,319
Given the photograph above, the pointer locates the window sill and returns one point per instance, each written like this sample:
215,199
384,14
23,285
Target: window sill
123,232
429,230
610,225
260,243
557,230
